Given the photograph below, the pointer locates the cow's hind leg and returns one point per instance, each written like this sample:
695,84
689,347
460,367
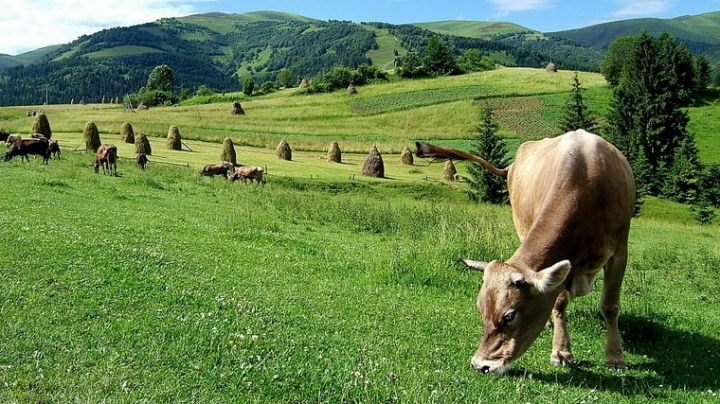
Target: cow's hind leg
561,354
610,307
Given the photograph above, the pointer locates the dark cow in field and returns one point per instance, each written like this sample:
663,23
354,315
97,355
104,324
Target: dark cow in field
250,173
24,147
54,148
211,170
106,156
141,160
572,199
4,136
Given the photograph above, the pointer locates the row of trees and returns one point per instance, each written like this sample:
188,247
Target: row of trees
654,80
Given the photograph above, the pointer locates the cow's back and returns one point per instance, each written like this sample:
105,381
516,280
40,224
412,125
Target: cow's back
573,193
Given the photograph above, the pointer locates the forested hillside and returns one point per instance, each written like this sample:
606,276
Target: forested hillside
219,51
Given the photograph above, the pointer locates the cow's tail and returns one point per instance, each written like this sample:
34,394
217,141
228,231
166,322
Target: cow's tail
425,150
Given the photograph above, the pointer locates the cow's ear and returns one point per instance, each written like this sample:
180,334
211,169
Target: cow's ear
552,277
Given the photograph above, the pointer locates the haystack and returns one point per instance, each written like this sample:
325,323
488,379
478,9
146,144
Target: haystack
374,166
449,173
142,145
283,151
142,106
237,109
334,154
92,137
127,134
174,141
351,90
551,67
228,151
406,157
104,100
304,83
41,125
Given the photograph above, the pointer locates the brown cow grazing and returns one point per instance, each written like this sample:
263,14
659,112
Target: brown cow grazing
211,170
572,199
54,148
24,147
106,156
142,160
250,173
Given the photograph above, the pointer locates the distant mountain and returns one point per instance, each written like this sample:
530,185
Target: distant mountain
220,50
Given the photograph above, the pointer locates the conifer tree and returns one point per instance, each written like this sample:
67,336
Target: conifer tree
483,185
576,114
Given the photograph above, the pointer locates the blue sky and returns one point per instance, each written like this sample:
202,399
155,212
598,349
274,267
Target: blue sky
31,24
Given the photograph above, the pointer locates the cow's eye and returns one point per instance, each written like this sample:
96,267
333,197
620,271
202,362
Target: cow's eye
509,317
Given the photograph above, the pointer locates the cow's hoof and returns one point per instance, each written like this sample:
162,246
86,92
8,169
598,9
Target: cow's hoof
616,364
561,359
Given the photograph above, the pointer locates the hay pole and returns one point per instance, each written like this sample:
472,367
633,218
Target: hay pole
186,146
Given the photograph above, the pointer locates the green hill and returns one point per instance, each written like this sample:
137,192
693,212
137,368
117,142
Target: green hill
472,29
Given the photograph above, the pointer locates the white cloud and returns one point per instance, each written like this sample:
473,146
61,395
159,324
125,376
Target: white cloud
510,6
32,24
642,7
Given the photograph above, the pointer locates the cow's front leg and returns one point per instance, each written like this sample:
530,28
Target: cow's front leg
561,354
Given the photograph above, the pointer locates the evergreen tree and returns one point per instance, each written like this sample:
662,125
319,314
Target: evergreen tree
438,59
684,179
646,120
483,185
576,114
411,67
248,86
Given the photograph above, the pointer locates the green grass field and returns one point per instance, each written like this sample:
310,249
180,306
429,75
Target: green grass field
323,286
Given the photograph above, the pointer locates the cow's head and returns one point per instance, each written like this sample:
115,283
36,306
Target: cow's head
515,305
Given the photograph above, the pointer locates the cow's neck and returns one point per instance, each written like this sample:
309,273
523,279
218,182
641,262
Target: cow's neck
543,247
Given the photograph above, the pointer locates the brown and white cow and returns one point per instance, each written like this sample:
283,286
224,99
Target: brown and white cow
250,173
25,147
106,156
572,199
211,170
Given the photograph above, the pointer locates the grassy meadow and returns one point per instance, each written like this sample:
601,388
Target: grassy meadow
165,286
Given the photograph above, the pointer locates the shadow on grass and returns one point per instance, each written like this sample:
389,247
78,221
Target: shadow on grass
674,360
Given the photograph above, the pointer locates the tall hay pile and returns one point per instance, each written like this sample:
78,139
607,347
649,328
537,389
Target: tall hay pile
92,137
237,109
173,141
449,173
551,67
142,144
127,134
304,83
228,151
283,151
334,153
142,106
406,157
42,125
374,166
351,90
